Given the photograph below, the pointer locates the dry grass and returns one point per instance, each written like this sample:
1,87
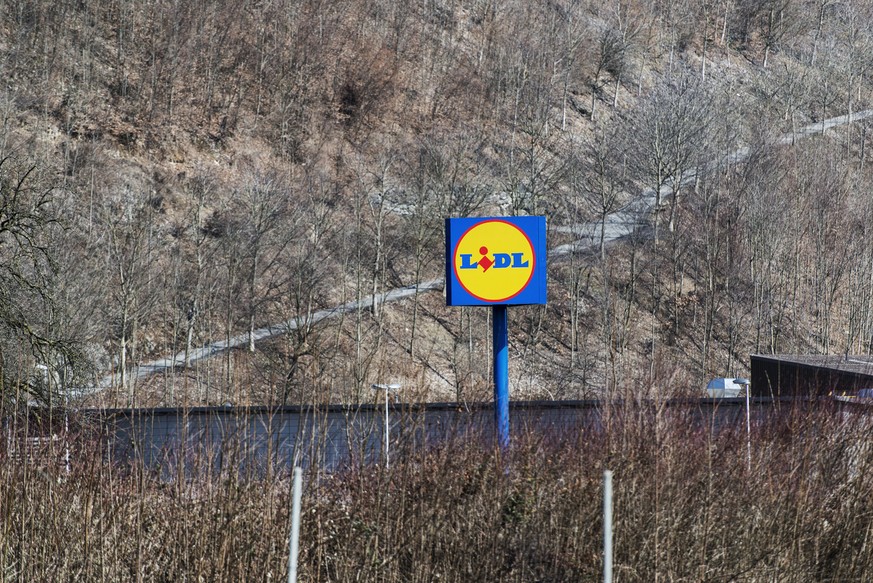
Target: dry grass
687,508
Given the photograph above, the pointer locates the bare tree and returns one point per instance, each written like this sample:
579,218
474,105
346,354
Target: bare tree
667,131
132,243
27,268
604,177
262,205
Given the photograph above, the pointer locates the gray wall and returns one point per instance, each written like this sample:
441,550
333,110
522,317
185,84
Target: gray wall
257,440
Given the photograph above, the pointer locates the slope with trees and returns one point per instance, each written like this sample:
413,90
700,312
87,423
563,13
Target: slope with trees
193,172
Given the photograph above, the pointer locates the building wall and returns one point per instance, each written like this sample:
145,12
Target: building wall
772,376
257,440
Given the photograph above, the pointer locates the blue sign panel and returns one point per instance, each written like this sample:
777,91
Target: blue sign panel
495,261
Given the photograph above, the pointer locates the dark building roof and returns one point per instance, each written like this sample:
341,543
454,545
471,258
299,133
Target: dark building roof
781,375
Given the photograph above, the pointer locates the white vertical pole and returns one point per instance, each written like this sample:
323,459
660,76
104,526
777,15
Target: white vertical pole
63,387
607,526
66,438
386,427
748,433
386,388
295,525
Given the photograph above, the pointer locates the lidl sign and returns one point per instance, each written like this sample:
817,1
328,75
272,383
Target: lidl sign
495,261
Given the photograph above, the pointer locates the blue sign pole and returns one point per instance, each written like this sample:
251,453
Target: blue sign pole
497,262
501,375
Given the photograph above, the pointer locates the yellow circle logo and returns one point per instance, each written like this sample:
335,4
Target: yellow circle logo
494,261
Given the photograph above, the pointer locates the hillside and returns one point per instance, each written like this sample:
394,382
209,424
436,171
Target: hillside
178,173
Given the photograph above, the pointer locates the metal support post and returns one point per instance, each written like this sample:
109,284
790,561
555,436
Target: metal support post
295,525
501,375
607,526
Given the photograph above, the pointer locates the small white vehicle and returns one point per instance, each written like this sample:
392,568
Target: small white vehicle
723,388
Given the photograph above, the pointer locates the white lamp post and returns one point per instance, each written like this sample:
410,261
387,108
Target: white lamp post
391,387
746,384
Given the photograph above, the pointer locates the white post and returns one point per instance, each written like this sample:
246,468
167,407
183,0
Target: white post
66,438
386,427
392,387
295,525
63,386
747,385
748,432
607,526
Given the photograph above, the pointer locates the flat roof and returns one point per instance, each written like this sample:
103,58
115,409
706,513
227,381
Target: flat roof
855,364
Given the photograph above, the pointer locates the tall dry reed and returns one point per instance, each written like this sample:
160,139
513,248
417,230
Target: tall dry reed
688,507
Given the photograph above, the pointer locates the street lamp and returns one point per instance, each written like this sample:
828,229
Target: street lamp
394,387
52,380
745,383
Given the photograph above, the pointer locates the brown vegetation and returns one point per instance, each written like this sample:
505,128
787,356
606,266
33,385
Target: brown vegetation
687,507
198,170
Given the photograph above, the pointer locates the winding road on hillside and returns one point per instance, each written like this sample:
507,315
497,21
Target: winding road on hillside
635,215
618,225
